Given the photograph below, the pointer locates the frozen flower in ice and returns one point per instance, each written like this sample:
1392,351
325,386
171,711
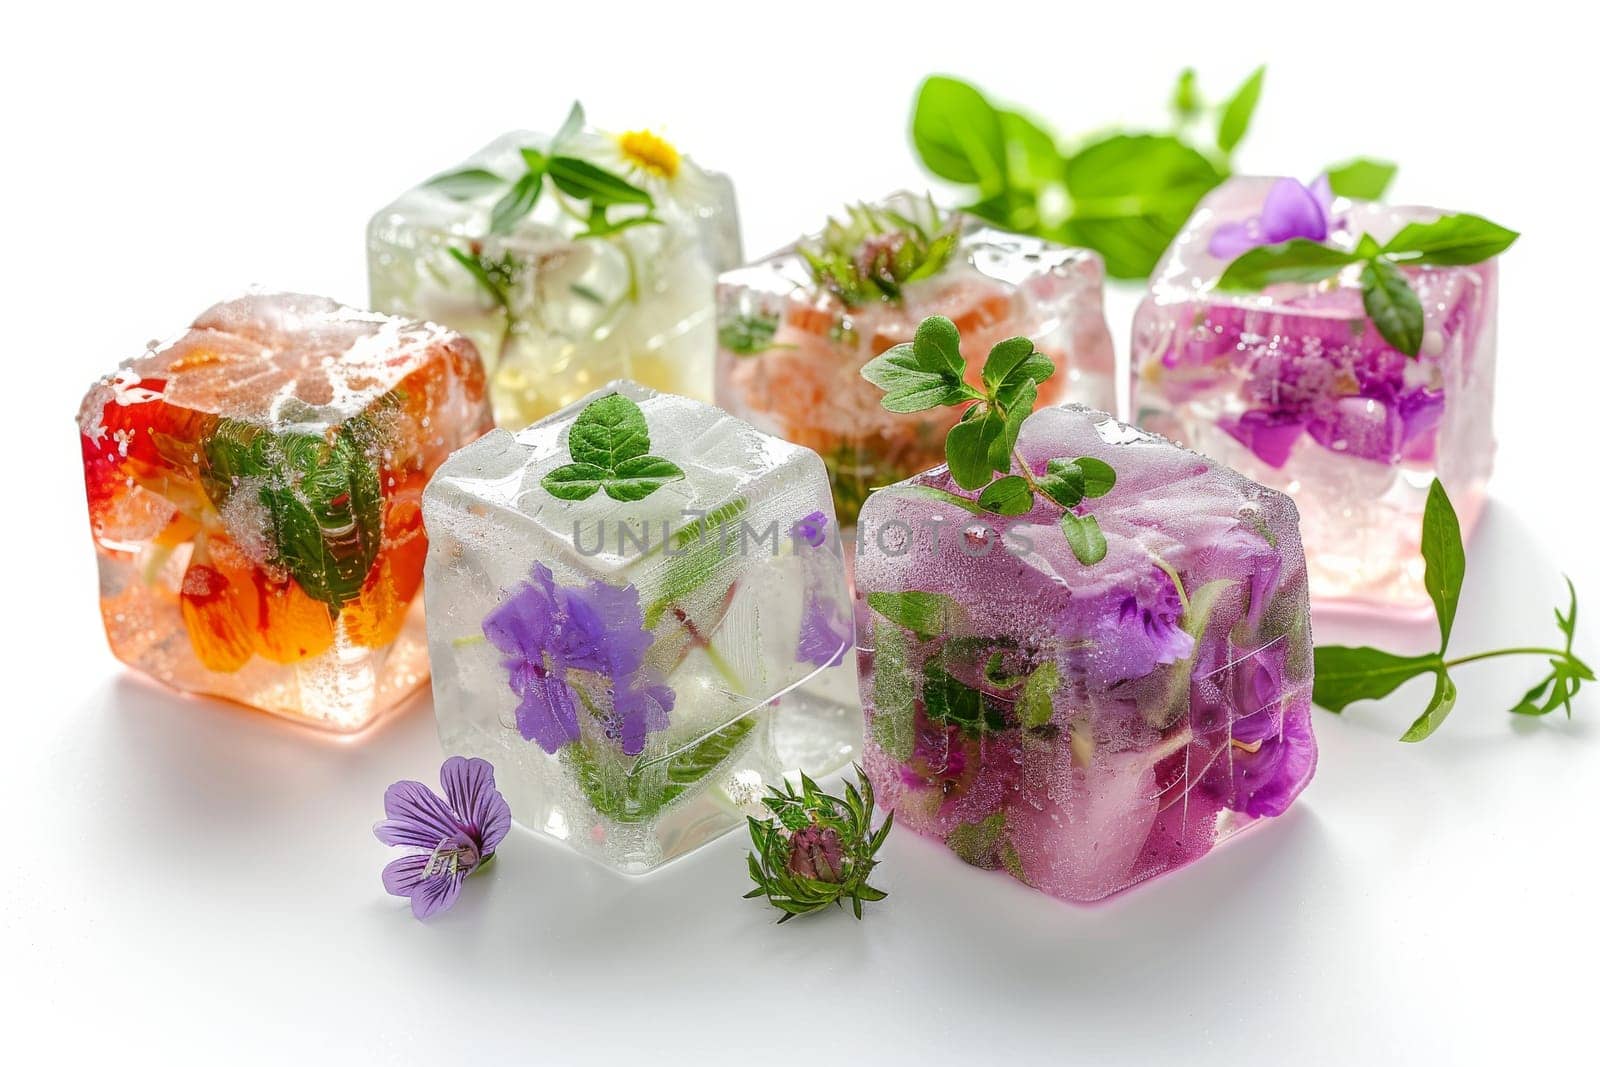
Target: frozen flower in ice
813,530
1141,630
825,632
1292,209
547,631
453,835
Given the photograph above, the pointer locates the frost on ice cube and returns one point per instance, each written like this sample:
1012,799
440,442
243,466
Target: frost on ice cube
638,613
1085,727
1296,388
796,328
598,280
255,493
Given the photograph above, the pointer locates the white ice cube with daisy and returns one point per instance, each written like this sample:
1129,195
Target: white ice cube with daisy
637,611
569,259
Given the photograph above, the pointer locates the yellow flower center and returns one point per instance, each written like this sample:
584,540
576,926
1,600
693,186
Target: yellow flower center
650,153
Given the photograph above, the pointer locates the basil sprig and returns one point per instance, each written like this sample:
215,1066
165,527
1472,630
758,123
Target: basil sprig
610,446
1344,675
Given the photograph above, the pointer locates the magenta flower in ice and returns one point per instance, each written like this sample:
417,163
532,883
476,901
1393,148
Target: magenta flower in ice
453,835
1292,209
547,631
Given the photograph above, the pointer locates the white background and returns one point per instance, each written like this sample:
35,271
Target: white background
188,882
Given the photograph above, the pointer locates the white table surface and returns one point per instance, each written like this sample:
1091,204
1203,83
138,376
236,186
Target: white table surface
188,882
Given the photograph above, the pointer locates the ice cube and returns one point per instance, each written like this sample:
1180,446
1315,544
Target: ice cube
638,668
796,328
1296,388
557,314
255,492
1085,727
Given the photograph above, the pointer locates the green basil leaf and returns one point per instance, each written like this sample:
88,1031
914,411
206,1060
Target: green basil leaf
1362,179
1295,260
575,481
582,180
748,335
1392,305
608,431
1084,536
1034,707
894,713
516,203
1439,706
1032,159
908,385
958,134
1450,241
1007,496
637,478
979,843
946,698
468,184
1238,111
1444,558
1343,675
925,614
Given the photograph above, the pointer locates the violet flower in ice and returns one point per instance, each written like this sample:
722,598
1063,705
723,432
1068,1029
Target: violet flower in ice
813,530
1291,209
546,631
1142,631
454,835
825,632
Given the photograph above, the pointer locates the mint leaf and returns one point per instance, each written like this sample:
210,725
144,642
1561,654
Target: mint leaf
928,372
1034,707
894,713
1239,109
1098,476
1083,534
699,550
925,614
1392,305
942,496
946,698
1295,260
1444,559
979,843
1361,179
575,481
1450,241
958,134
608,431
1343,675
1032,159
1439,706
516,203
967,449
748,335
1064,482
1007,356
468,184
937,343
1007,496
582,180
1016,413
492,278
635,479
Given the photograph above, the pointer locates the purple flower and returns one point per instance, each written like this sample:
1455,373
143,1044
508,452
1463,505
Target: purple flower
824,634
1290,210
1147,628
813,529
454,835
547,630
816,853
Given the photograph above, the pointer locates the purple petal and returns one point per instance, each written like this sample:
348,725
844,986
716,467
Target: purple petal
1233,239
547,713
1359,426
1420,411
469,787
1270,435
417,817
1322,193
643,708
1290,211
436,894
402,876
824,636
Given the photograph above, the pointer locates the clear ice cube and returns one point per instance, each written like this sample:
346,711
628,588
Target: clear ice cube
791,351
722,657
255,492
1296,388
1086,727
577,311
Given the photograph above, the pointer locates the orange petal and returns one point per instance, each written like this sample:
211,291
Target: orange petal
216,614
291,626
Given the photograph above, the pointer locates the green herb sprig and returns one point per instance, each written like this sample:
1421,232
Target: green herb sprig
610,445
817,849
1344,675
576,179
1123,194
1386,292
874,252
930,372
